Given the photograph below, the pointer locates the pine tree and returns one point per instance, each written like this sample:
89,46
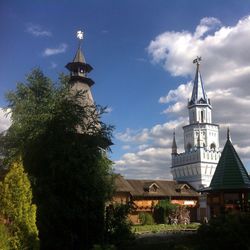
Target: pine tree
17,209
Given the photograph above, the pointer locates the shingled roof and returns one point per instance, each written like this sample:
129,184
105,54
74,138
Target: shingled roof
165,188
230,173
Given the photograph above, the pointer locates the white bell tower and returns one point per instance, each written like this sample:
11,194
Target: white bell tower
201,140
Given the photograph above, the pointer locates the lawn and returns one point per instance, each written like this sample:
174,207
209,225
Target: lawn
156,228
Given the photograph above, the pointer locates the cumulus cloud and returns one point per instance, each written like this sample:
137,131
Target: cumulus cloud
54,51
226,74
152,158
5,121
36,30
108,109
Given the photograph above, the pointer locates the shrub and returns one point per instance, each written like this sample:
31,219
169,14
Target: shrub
226,232
164,210
118,227
146,219
16,207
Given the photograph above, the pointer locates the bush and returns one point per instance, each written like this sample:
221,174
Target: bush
17,209
163,211
107,247
118,227
226,232
159,215
146,219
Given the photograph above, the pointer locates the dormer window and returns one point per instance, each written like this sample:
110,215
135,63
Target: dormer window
181,187
151,187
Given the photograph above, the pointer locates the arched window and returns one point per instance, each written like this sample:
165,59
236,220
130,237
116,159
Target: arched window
213,146
189,147
202,116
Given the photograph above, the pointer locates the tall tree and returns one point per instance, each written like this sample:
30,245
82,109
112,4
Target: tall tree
17,210
70,172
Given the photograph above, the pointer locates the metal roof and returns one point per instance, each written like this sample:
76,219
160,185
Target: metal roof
79,57
199,95
230,172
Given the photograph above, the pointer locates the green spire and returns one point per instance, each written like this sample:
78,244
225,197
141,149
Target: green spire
230,172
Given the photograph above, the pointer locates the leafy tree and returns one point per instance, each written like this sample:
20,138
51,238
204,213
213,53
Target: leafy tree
17,209
4,238
63,145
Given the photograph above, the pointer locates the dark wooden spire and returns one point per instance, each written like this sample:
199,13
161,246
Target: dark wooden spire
79,69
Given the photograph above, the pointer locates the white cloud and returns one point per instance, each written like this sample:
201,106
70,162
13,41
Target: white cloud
54,51
36,30
206,24
152,159
53,65
5,120
226,74
108,109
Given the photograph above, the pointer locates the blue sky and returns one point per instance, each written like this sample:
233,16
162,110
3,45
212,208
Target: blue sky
133,48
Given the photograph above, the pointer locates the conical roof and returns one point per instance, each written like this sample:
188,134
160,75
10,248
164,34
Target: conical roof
79,57
230,172
199,95
174,145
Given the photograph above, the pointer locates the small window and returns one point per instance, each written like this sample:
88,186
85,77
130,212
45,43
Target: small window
189,147
202,116
212,146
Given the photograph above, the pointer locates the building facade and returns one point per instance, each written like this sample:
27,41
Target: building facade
146,194
197,164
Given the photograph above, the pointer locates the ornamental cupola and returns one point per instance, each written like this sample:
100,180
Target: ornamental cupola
78,68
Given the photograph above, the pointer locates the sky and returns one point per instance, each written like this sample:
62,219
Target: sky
142,53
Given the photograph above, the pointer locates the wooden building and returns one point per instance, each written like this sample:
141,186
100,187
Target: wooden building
229,191
145,194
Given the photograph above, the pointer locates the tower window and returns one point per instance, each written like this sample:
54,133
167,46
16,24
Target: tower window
202,116
189,147
213,146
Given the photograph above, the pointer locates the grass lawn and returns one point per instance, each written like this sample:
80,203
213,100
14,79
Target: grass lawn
156,228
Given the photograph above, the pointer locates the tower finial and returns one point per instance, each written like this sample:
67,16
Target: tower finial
174,146
197,60
228,134
80,35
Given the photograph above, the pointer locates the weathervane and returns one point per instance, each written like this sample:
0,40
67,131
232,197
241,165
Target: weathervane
197,60
79,35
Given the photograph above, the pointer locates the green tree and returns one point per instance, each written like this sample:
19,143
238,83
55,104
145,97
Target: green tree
4,237
17,209
70,172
